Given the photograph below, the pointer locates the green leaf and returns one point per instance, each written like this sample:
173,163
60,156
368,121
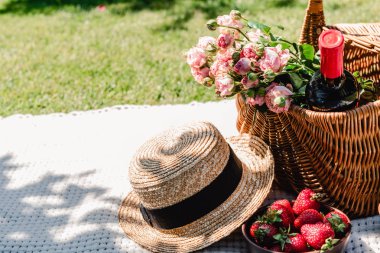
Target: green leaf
291,66
277,237
264,28
302,90
284,45
280,27
297,80
251,93
307,52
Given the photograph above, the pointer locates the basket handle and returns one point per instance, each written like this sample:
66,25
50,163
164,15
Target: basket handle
313,23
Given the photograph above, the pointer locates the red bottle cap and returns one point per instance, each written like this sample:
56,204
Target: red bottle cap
331,46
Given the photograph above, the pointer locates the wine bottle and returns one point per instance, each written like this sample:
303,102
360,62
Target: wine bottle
332,88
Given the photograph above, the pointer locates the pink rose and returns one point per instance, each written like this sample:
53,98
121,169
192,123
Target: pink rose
249,83
205,42
219,68
196,57
258,100
224,85
255,36
225,40
284,56
249,51
274,59
271,60
225,55
243,66
278,98
227,20
200,74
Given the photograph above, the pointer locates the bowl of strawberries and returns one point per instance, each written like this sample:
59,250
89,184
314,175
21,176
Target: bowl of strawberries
302,225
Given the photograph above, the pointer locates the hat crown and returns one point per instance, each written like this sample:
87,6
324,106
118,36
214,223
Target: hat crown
178,163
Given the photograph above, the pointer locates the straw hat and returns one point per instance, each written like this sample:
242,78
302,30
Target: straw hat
191,187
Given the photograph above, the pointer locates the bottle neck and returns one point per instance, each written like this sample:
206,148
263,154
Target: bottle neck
331,46
335,83
331,64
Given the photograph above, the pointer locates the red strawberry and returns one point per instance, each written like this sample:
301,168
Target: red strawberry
291,242
338,221
262,233
306,199
316,234
309,216
287,217
285,203
298,243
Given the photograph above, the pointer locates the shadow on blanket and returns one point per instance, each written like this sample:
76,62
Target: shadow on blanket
53,214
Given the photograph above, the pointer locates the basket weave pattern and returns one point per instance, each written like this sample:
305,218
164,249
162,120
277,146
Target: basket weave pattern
333,153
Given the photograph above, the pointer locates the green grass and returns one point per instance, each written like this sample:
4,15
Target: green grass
65,58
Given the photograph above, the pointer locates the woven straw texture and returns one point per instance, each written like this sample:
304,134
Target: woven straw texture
333,153
162,171
253,188
63,177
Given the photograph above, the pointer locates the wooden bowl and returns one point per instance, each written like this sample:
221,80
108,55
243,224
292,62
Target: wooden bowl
254,248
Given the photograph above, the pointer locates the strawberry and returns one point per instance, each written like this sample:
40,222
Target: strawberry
309,216
291,242
298,243
262,233
285,203
339,222
306,199
316,234
287,217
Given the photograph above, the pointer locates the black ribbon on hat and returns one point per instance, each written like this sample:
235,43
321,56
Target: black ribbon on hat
201,203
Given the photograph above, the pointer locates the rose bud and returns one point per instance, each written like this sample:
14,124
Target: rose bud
212,25
243,66
235,14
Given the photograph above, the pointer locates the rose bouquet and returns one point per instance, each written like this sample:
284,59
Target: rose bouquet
247,58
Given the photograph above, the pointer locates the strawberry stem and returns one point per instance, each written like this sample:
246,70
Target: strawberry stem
329,244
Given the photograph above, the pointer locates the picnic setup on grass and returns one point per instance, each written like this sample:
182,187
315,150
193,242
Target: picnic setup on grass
290,164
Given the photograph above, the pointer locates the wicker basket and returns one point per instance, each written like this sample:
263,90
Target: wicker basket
333,153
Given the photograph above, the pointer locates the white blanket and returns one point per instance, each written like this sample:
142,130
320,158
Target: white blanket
63,176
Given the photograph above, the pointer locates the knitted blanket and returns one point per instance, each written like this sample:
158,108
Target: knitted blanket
63,176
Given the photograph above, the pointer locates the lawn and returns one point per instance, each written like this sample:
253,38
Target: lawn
60,56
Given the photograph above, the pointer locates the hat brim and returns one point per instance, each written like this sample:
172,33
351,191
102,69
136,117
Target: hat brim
254,186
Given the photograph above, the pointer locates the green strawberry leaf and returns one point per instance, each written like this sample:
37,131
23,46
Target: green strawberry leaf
337,223
329,244
261,233
272,216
